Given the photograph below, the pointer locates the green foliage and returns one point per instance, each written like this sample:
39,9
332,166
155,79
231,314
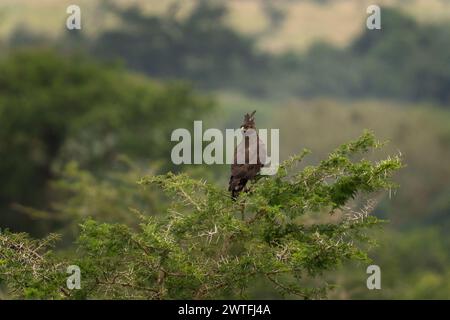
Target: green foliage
200,46
80,194
29,264
57,107
286,229
421,132
407,60
414,265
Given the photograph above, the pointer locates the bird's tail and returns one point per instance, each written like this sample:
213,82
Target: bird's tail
236,186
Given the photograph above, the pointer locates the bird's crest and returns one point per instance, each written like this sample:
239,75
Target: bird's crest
249,120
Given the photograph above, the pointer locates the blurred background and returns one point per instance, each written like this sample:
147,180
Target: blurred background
85,113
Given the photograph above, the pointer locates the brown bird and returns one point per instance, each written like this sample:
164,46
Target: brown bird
249,157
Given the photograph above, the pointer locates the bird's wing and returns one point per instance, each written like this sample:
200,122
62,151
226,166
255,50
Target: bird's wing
239,170
262,152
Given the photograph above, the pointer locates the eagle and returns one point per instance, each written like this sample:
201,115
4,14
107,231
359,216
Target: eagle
249,157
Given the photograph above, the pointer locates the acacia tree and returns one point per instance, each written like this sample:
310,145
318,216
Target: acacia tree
287,228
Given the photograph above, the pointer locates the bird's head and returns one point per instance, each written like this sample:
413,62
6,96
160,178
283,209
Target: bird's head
249,123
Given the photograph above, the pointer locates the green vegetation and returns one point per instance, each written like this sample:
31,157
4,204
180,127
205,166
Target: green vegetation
78,130
54,108
407,60
208,246
279,25
420,132
414,250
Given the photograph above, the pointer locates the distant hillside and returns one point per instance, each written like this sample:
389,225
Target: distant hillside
294,24
419,131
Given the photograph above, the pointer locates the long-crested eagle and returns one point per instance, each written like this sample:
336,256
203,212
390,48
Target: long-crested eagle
249,157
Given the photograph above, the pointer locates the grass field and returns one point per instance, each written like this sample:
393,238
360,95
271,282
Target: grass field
336,21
